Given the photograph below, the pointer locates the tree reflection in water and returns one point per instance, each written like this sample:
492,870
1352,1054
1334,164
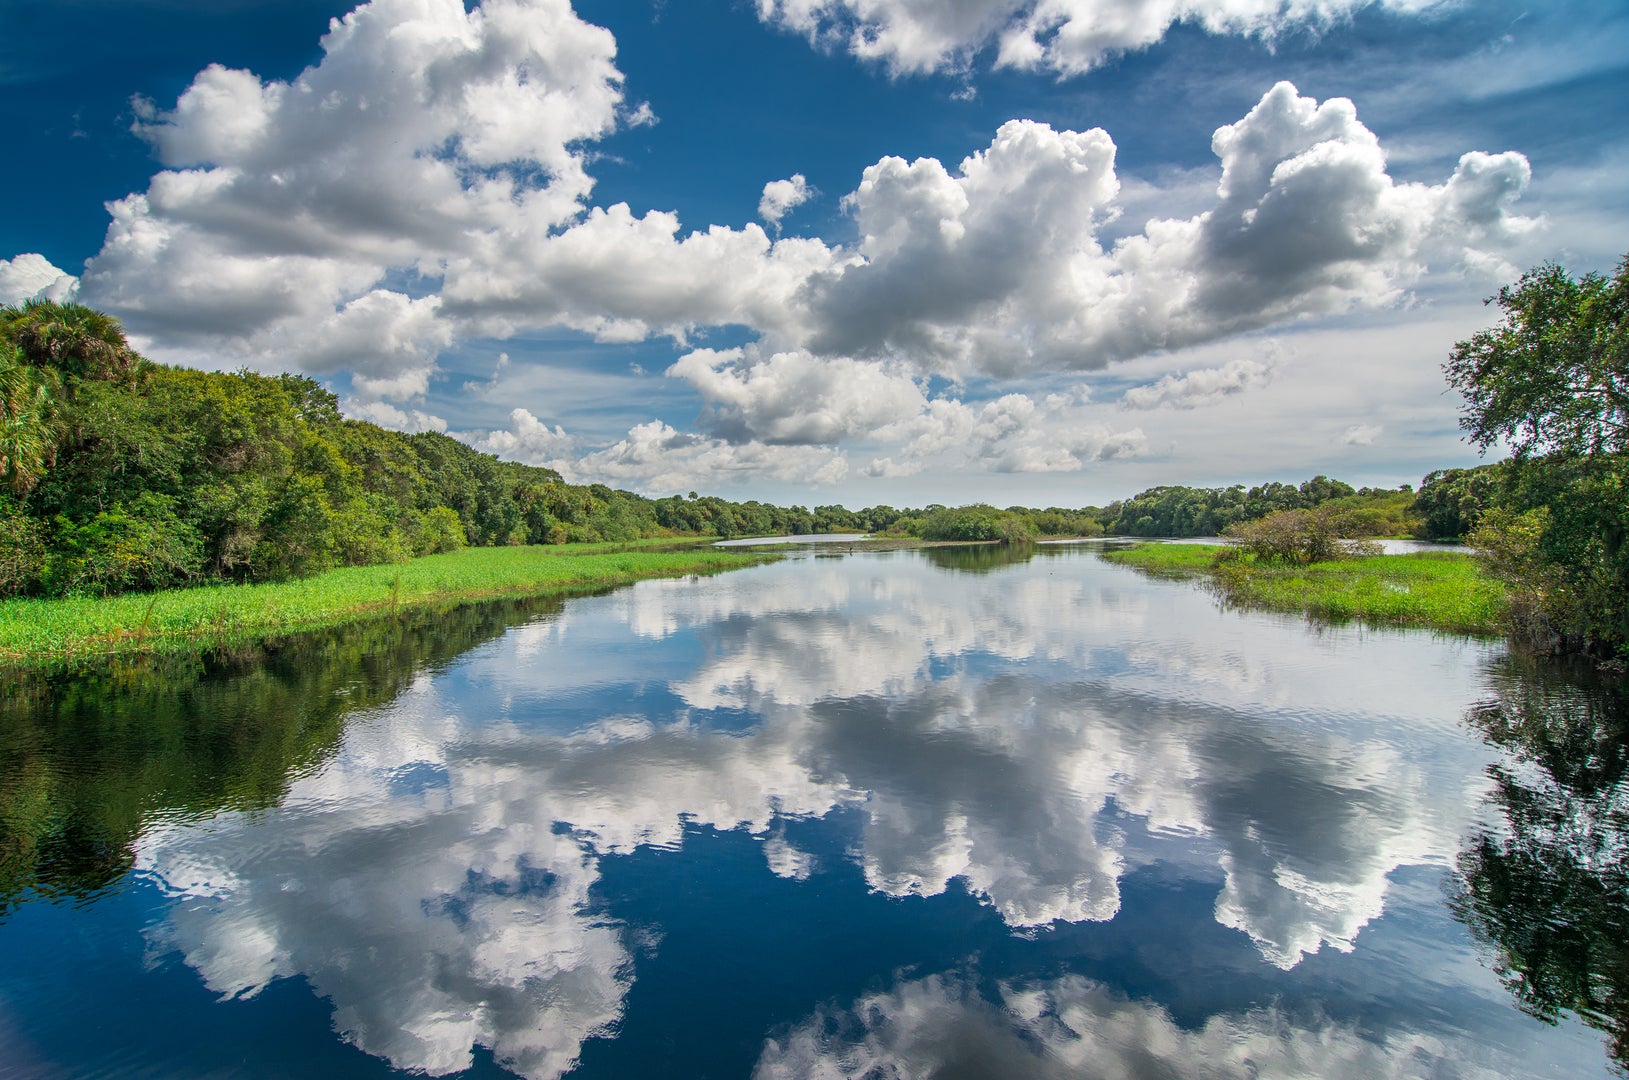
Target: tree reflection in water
89,758
1549,891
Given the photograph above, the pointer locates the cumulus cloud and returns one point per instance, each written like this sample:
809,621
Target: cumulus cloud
1065,36
284,206
797,398
657,459
426,182
387,415
31,276
1206,386
998,269
1013,433
781,196
621,276
528,440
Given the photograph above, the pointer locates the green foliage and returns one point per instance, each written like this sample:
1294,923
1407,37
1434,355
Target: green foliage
78,341
1297,537
1554,375
1178,511
1552,380
438,530
23,550
978,522
1451,501
39,630
127,475
1444,591
28,425
142,545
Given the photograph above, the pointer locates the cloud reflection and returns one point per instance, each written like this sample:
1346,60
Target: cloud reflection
435,881
1072,1027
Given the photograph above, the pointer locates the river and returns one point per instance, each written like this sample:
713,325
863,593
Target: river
961,811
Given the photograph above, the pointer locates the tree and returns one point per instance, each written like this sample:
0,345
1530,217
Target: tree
1552,380
28,430
1451,501
1554,375
74,339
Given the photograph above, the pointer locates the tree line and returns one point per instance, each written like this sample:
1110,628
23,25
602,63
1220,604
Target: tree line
118,474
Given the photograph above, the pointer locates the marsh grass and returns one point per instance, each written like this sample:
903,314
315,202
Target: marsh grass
1444,591
36,632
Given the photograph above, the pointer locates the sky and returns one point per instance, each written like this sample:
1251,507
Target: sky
1039,252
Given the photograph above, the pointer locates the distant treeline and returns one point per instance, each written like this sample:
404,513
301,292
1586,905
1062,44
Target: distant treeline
121,474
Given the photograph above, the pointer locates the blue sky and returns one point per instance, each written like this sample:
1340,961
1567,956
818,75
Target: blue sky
1037,251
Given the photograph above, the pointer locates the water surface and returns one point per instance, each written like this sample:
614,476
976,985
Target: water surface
965,811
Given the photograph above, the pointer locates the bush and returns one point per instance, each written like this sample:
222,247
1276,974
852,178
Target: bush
1297,536
22,550
440,530
977,522
143,545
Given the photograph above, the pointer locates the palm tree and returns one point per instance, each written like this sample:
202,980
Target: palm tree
28,429
72,338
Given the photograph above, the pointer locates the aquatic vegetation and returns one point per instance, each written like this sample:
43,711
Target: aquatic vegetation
1445,591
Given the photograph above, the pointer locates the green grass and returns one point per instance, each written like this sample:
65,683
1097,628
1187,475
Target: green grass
1444,591
35,632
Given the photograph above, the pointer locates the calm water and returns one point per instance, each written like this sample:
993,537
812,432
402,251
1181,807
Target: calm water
959,812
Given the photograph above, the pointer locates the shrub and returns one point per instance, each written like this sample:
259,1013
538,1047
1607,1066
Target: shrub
1297,536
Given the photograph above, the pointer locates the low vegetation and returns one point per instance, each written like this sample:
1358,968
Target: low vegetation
1443,591
34,631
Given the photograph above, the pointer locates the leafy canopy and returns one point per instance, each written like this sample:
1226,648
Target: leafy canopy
1554,375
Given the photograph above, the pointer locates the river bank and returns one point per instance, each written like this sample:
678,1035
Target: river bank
1442,591
40,632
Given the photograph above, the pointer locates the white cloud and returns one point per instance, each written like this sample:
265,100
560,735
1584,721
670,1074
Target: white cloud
1361,434
31,276
621,277
528,440
1015,433
1205,386
656,459
286,205
998,269
290,206
1065,36
387,415
781,196
426,183
796,397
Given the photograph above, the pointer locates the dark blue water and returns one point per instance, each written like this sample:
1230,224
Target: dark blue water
898,814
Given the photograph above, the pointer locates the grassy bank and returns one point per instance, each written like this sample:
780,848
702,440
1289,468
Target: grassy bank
1444,591
45,631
